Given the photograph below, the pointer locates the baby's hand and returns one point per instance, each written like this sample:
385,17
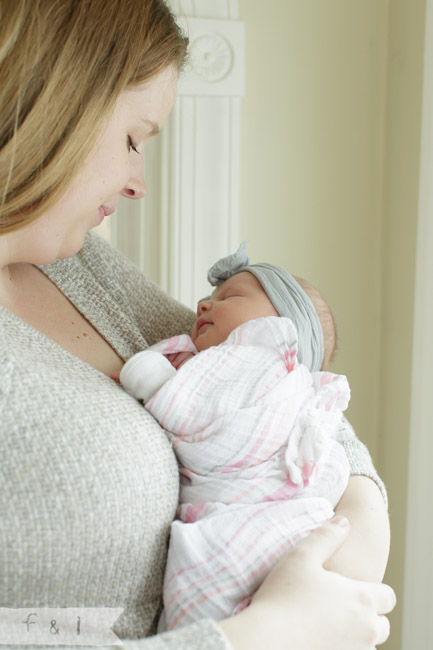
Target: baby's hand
115,376
177,359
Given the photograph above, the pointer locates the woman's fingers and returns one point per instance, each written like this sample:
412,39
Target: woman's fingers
323,542
377,597
376,600
308,556
316,608
386,599
383,630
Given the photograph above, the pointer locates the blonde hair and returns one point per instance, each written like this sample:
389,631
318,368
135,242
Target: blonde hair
326,318
63,65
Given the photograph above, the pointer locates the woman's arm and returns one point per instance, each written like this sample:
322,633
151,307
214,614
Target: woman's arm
302,605
364,503
365,553
359,458
299,606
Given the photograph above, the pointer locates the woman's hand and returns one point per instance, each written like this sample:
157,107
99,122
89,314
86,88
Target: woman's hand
302,605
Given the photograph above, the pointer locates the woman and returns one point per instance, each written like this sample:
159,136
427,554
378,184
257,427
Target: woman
90,483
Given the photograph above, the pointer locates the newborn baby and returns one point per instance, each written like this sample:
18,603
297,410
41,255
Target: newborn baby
253,423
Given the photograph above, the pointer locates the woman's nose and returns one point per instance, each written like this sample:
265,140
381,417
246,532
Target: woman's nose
136,186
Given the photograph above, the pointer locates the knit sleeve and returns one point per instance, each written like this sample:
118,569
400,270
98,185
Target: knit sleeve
359,457
205,635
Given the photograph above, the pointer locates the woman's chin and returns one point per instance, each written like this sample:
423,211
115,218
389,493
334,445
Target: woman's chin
70,251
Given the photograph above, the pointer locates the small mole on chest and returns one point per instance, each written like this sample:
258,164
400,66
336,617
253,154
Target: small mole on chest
85,334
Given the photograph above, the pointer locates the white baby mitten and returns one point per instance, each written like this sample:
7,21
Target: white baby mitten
145,373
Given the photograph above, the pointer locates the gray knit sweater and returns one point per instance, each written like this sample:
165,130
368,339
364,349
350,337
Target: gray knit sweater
89,482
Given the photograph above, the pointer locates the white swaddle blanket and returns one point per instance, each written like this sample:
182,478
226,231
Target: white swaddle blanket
253,432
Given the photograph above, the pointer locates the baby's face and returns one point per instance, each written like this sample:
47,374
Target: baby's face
239,299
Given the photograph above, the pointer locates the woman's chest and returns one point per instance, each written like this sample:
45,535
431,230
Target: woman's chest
91,486
42,305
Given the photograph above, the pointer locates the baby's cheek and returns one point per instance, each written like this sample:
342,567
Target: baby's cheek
202,343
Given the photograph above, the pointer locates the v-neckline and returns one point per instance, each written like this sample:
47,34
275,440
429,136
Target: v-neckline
45,336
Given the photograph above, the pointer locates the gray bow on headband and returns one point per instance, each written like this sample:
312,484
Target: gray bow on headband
286,295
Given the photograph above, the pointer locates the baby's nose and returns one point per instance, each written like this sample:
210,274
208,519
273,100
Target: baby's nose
203,306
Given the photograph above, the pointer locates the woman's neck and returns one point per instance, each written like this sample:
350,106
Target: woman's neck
14,278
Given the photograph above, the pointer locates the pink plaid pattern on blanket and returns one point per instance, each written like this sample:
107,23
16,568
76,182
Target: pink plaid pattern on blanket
253,431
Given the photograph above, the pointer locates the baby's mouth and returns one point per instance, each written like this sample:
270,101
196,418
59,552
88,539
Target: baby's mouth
201,323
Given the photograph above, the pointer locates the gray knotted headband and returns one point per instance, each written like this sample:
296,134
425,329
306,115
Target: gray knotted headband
286,295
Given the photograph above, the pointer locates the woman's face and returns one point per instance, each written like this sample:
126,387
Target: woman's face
114,168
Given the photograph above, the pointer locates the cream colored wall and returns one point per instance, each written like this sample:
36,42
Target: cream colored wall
404,91
312,132
329,189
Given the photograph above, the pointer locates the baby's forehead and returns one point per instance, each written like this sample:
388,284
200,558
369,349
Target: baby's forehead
239,280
